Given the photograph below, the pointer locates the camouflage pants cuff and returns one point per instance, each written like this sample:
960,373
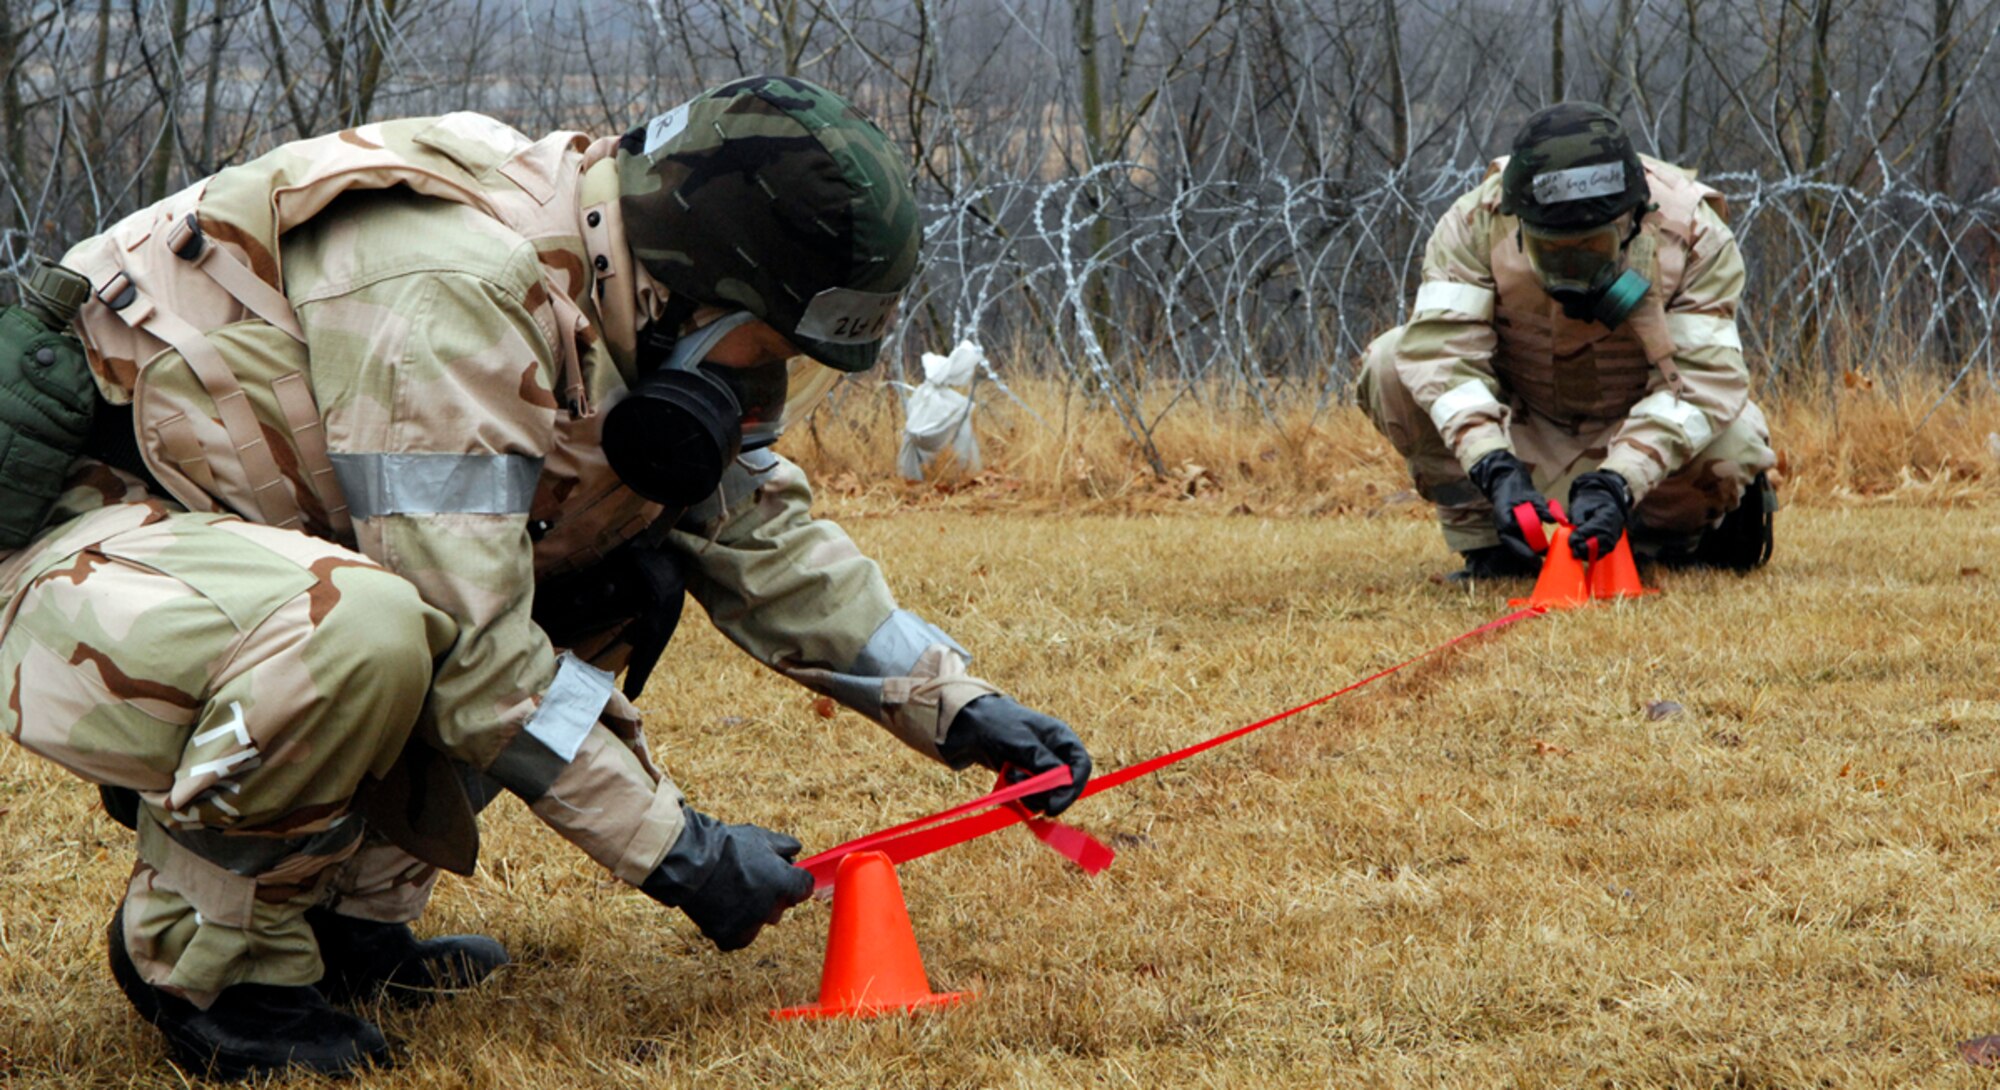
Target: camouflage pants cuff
1466,529
194,927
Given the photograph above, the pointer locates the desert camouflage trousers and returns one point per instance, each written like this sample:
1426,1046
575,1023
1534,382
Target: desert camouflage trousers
1674,514
243,680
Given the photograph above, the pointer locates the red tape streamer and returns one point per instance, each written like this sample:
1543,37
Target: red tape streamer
1073,844
998,810
1046,781
1068,841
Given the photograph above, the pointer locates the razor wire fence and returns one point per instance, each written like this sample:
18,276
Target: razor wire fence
1272,287
1231,204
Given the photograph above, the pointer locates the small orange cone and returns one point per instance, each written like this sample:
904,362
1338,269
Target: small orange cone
872,963
1617,575
1562,584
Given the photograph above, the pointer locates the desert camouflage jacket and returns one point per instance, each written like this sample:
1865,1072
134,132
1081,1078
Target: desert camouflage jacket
1484,338
422,378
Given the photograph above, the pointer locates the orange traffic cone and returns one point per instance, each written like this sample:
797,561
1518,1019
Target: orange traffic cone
1562,584
872,963
1617,575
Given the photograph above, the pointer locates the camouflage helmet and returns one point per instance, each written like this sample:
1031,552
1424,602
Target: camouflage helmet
1573,169
776,196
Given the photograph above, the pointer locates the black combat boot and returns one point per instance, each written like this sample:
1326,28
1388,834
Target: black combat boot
1494,562
364,957
1743,542
250,1028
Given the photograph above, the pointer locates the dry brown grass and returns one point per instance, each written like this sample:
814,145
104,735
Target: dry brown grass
1494,870
1862,443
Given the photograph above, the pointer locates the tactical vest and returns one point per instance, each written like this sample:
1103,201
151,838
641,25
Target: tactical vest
189,322
1580,373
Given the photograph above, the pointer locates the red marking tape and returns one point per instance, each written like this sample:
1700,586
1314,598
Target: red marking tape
1068,841
1072,843
1000,809
1530,522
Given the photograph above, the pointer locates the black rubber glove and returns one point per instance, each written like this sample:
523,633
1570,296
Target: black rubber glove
1599,503
731,880
1508,484
998,732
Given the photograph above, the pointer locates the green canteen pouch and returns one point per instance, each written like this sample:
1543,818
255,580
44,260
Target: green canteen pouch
47,399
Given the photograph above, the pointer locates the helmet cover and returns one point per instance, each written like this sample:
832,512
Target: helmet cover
776,196
1572,170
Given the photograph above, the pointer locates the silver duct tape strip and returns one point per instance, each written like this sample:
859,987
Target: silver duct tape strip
437,484
897,643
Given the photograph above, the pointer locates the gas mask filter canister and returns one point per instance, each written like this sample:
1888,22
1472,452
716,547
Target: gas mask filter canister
675,432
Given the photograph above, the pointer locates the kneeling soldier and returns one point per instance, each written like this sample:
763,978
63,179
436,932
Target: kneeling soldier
407,438
1575,334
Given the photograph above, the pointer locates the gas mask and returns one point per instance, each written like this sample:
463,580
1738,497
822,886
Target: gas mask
677,430
1585,271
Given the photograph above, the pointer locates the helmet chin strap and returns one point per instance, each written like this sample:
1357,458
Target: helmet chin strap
659,337
689,351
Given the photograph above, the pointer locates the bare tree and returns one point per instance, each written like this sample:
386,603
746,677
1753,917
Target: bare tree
1161,197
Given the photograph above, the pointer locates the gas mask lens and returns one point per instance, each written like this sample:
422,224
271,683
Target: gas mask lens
1576,262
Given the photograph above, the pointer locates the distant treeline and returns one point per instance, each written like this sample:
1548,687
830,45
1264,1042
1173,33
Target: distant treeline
1134,191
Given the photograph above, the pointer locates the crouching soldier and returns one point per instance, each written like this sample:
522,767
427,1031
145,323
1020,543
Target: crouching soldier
1575,337
381,455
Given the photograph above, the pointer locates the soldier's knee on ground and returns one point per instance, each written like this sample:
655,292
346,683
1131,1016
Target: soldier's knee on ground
323,691
1385,399
1376,386
1714,483
1393,409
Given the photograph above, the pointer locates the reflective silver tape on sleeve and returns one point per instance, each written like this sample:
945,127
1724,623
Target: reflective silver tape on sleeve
897,644
1703,331
437,484
571,706
891,651
1468,396
1664,408
1470,300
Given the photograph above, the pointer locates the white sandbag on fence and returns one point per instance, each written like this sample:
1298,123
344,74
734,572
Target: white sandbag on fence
937,415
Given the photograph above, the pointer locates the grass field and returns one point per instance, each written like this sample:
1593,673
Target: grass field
1496,869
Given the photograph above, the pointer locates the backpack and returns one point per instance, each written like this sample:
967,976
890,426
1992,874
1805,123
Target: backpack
188,321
